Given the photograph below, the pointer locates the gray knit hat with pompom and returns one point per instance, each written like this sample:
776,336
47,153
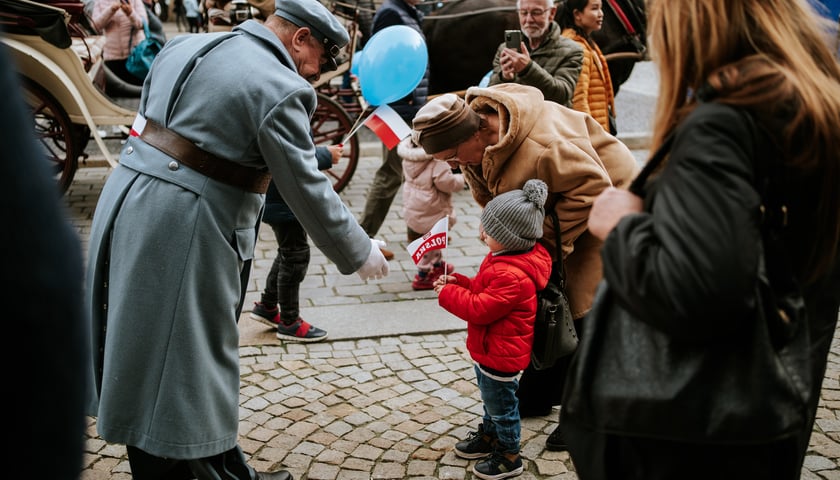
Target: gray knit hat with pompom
515,218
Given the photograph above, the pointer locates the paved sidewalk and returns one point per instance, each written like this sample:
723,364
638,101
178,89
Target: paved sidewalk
392,390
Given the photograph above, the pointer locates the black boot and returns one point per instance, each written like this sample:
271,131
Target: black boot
278,475
555,441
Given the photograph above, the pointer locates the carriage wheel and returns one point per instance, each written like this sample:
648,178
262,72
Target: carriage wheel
330,124
55,133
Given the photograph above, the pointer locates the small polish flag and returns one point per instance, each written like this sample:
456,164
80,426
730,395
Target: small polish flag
138,126
434,240
388,126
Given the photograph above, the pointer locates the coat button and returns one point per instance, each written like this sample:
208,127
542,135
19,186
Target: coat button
129,150
173,165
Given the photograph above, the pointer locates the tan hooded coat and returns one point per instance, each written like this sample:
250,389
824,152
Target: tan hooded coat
566,149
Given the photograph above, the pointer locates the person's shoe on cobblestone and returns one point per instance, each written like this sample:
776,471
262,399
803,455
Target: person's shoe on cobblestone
389,255
278,475
499,466
555,441
423,281
426,280
267,315
477,445
442,268
300,331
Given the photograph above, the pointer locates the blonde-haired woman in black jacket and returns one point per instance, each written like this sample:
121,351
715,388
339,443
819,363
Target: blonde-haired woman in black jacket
749,99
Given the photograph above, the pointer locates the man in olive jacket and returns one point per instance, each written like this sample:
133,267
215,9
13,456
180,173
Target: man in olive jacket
172,238
546,59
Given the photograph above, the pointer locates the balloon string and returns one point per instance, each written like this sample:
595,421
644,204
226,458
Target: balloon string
357,125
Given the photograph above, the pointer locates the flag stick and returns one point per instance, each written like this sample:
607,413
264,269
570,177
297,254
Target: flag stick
356,125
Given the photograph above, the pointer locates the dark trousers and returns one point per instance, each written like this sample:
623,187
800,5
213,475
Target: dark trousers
230,465
386,184
282,287
194,24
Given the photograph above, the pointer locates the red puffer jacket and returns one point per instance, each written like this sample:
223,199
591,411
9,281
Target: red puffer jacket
499,305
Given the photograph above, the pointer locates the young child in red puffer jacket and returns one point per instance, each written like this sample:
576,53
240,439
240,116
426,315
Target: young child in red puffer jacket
499,305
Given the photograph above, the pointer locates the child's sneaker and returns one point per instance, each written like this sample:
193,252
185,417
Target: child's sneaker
498,467
300,331
477,445
442,269
425,282
268,316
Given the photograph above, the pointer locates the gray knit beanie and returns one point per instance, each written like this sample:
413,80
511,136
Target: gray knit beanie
515,218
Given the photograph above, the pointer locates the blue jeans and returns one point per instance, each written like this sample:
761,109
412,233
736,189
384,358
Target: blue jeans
501,409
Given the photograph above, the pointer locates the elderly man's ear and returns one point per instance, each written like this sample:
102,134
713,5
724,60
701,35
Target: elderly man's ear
300,38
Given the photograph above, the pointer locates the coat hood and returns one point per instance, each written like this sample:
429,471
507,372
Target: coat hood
519,107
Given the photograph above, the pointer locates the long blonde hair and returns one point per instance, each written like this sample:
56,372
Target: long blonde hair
768,55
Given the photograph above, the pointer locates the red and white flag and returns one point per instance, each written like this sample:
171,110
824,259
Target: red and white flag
388,126
436,239
138,126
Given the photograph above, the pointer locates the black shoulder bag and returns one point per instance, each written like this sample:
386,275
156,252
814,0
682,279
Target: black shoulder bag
554,328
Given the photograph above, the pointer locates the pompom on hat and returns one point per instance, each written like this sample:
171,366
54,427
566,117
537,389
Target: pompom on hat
515,218
320,21
444,122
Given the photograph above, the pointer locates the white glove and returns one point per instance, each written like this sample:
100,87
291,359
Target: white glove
376,266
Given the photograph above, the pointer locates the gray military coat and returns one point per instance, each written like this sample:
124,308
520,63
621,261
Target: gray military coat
169,247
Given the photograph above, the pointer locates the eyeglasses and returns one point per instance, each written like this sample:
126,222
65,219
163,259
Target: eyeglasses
537,12
453,156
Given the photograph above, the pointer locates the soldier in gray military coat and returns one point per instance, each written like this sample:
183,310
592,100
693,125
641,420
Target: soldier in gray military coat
175,229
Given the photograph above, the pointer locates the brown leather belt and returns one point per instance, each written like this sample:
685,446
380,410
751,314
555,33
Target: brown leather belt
189,154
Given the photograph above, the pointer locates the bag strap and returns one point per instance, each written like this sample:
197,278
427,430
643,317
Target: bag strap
558,268
145,30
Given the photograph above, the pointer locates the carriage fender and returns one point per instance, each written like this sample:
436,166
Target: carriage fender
46,71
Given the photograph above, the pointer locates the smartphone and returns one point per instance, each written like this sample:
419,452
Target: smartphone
513,39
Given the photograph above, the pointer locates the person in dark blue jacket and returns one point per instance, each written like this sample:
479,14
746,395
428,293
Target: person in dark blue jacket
279,305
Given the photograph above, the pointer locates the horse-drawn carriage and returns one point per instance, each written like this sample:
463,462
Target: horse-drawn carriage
58,56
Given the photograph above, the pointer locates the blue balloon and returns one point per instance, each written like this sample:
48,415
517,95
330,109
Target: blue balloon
357,58
393,64
485,80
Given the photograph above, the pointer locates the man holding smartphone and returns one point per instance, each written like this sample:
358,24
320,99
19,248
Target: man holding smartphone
538,55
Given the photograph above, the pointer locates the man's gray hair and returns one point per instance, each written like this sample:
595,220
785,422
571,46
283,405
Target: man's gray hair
548,3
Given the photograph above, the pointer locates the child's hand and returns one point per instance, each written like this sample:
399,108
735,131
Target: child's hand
442,280
126,7
336,151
